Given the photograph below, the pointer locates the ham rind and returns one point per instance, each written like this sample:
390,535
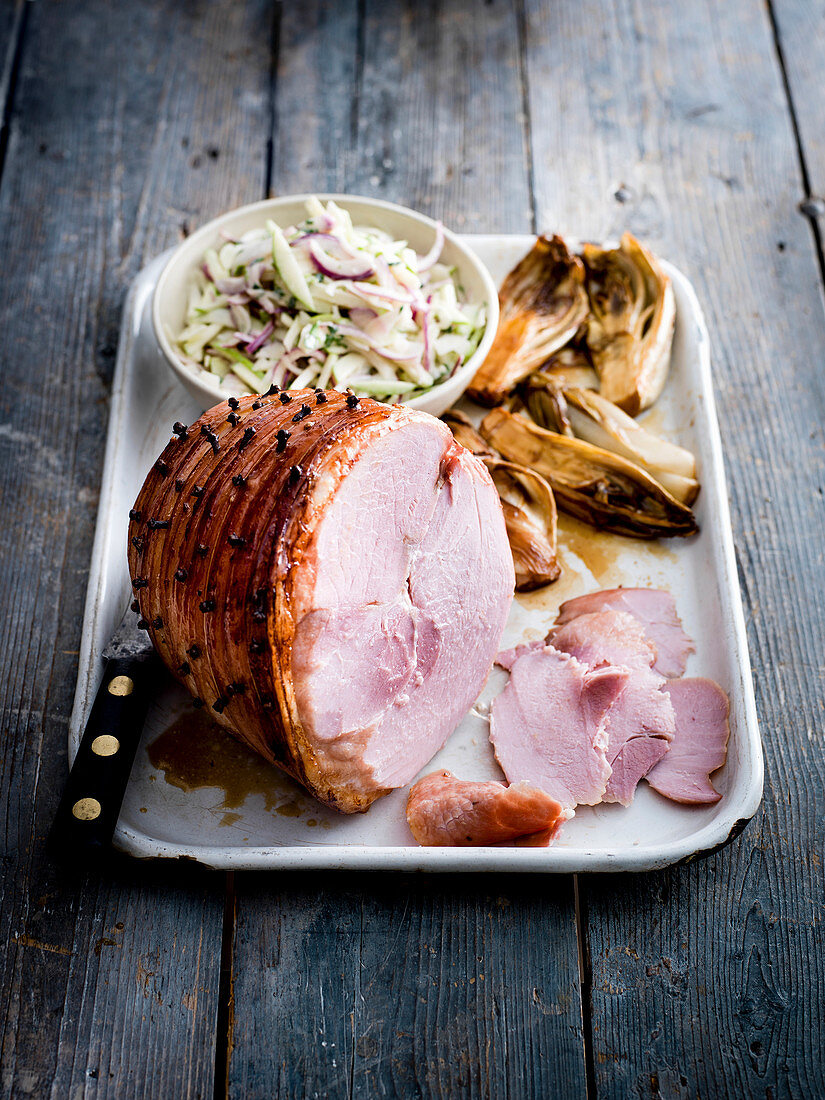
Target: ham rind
654,608
699,746
641,721
549,725
443,810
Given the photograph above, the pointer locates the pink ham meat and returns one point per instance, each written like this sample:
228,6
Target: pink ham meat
549,725
654,608
699,746
443,810
641,722
405,586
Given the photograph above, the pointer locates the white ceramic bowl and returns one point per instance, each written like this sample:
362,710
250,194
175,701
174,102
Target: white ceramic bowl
171,292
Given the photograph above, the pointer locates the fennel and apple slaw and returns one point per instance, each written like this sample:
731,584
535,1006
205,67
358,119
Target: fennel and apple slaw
328,305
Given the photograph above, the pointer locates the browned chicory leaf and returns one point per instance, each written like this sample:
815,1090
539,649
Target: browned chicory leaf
530,517
593,484
600,422
543,303
570,366
544,399
464,433
630,329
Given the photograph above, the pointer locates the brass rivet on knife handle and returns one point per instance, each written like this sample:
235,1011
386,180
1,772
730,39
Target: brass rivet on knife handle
121,685
86,809
105,745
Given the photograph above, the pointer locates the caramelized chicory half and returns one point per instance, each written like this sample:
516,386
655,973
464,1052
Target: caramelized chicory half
630,328
591,483
543,304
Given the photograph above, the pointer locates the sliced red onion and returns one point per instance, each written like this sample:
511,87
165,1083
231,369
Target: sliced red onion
413,355
331,242
335,268
253,252
233,285
261,338
383,292
362,315
426,261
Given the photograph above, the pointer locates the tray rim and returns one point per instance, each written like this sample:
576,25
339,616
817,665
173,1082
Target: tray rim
704,841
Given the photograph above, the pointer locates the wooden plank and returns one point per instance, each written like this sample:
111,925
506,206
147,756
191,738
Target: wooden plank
108,983
800,34
405,986
398,985
708,980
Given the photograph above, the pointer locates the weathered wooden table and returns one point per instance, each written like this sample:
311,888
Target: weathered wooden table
697,126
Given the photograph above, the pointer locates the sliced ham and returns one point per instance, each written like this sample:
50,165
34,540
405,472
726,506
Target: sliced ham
605,638
654,608
549,724
443,810
641,722
699,745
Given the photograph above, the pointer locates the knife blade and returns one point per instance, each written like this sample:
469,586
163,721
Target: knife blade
86,817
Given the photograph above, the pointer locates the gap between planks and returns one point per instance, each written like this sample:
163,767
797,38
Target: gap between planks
809,215
11,71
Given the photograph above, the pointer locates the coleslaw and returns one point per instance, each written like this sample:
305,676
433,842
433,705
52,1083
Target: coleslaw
328,305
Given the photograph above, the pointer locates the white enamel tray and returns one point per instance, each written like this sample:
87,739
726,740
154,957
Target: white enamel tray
251,816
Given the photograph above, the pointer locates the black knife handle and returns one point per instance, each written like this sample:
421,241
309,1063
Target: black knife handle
88,812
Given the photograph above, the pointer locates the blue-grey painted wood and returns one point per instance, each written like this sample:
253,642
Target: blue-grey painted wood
708,980
799,27
128,122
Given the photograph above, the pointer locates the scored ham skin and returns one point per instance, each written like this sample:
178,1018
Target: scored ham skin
641,721
335,597
549,724
699,745
654,608
443,810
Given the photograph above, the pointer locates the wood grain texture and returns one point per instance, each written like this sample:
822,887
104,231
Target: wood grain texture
800,33
427,111
416,103
708,980
406,987
108,983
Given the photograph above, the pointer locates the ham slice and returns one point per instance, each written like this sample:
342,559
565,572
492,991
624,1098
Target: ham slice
641,722
605,638
549,724
443,810
699,746
654,608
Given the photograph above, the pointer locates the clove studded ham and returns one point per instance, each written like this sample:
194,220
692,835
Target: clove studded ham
330,576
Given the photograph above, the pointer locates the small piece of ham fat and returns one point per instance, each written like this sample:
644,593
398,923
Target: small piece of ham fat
443,810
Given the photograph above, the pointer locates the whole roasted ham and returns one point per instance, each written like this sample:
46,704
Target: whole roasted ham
330,576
